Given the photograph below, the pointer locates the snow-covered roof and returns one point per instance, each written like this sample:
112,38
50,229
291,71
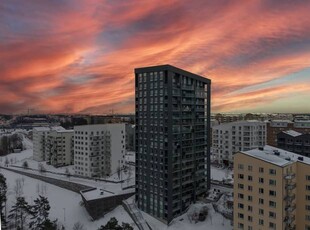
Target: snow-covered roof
41,129
283,121
292,133
56,128
97,193
276,156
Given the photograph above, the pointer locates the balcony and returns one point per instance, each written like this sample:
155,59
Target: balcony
290,208
290,186
289,176
187,87
176,92
289,219
289,198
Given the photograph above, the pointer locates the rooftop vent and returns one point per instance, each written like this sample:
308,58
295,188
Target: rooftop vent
261,148
276,152
101,193
300,158
287,158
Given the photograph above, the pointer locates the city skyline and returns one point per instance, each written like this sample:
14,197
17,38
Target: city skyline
64,56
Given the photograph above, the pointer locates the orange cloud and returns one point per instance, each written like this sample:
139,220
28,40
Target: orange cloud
81,56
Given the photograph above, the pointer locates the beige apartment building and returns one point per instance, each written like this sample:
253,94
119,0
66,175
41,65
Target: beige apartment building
59,147
271,190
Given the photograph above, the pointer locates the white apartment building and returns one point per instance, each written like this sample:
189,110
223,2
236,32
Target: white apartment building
59,147
39,141
229,138
99,150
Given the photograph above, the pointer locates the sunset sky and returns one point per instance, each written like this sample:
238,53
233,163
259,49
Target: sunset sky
79,56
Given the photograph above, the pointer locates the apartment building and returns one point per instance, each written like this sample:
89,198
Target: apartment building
271,190
276,126
59,147
172,139
229,138
226,118
99,149
295,142
40,140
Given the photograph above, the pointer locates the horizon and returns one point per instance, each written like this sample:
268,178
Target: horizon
79,57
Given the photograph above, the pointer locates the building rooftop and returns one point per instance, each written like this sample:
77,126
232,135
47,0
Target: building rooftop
292,133
56,128
282,121
98,193
173,69
276,156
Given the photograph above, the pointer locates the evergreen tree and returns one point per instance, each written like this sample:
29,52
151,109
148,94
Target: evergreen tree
49,225
3,189
40,213
126,226
19,213
113,225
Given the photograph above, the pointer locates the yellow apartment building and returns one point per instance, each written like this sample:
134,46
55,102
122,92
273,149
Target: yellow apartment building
271,190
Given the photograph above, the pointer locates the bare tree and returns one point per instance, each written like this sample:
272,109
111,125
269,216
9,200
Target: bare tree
41,168
78,226
7,162
18,188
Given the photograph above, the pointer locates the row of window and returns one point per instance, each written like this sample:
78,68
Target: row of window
261,169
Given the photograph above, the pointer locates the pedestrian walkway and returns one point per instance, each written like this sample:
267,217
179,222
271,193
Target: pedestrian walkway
136,215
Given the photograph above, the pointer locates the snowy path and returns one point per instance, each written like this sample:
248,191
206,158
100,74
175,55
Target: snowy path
74,187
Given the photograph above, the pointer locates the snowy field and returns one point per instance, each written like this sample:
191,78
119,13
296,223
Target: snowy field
65,205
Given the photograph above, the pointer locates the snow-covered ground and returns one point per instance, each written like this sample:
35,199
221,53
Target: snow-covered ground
214,221
221,174
65,205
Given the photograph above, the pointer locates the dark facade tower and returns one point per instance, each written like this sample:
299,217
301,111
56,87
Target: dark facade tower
172,139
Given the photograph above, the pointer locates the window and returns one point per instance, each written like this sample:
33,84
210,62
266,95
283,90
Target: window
240,216
272,193
261,211
272,215
261,170
250,188
261,201
261,180
250,178
240,226
250,208
240,166
307,197
272,171
272,204
250,218
250,198
241,206
240,176
308,177
261,190
250,168
261,222
240,196
307,187
240,186
272,182
272,225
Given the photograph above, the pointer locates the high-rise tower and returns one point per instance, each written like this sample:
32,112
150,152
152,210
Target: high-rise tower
172,139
